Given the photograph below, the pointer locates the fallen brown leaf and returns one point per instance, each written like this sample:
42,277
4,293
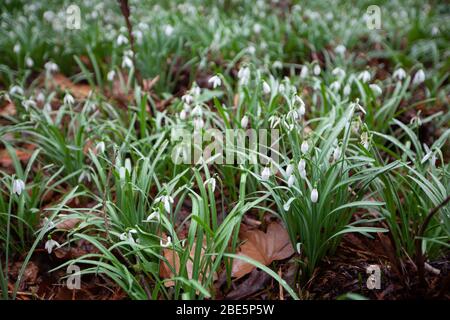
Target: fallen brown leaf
79,91
262,247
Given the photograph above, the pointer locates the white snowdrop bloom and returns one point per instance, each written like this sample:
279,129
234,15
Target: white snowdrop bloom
244,122
183,115
187,98
138,35
277,65
298,247
68,99
212,182
266,87
215,81
198,123
167,244
257,28
40,97
287,205
29,62
18,186
50,244
304,147
435,31
301,110
127,62
153,217
128,165
16,90
419,77
399,74
50,224
128,236
168,30
303,174
347,90
197,111
291,181
51,67
376,89
196,90
364,76
281,88
336,153
340,73
265,174
167,202
28,103
110,76
340,49
289,170
122,173
316,70
251,50
244,75
304,72
186,108
301,165
314,195
121,40
335,86
49,16
17,48
100,147
48,107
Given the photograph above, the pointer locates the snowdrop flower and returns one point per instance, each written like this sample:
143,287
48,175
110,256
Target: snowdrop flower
335,86
100,147
215,81
281,88
196,90
128,236
50,224
68,99
336,153
289,170
121,39
277,65
399,74
244,122
16,90
304,72
302,165
304,147
419,77
347,90
183,115
198,123
50,244
28,103
287,205
168,30
128,165
316,70
197,111
364,76
251,50
16,48
187,98
167,244
244,75
18,186
298,246
51,67
166,200
266,88
314,195
153,217
376,89
303,174
29,62
257,28
435,31
127,62
110,76
291,181
212,182
265,174
340,49
122,173
340,73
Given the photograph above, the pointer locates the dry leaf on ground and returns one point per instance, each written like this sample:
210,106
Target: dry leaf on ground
262,247
79,91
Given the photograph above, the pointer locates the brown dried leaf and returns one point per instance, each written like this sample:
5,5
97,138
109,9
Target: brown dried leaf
79,91
262,247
